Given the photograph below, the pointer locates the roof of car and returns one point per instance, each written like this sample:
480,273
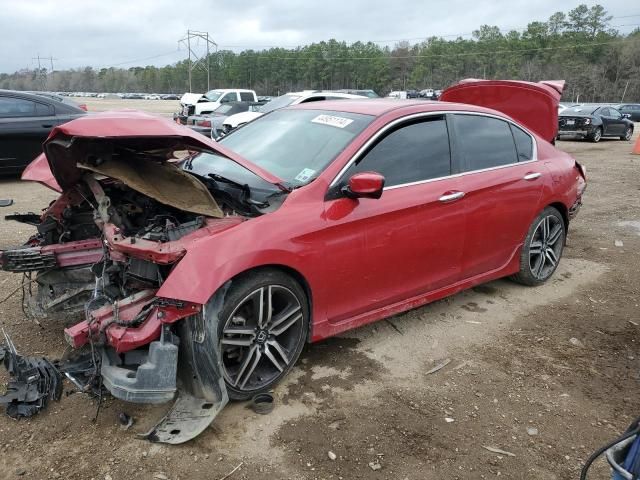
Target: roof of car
380,106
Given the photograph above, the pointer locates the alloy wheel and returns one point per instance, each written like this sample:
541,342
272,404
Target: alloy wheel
260,337
597,135
545,247
628,133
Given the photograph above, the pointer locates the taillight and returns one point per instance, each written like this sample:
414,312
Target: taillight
203,123
83,107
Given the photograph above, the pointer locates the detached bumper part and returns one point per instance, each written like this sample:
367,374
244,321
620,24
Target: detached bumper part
34,382
143,377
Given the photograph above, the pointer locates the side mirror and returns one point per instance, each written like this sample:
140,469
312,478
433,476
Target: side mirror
364,185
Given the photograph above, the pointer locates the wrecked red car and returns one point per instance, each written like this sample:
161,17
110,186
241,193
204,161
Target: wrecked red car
200,269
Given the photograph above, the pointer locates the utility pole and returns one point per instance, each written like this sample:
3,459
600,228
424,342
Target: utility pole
199,60
42,76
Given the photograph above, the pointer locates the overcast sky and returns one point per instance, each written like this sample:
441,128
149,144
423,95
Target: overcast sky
146,32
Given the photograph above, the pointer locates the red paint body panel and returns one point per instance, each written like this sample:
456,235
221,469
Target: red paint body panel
365,259
125,338
39,171
534,105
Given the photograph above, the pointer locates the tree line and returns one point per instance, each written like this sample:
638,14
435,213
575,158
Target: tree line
580,46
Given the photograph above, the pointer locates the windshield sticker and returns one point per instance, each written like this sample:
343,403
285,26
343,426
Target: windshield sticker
332,121
305,175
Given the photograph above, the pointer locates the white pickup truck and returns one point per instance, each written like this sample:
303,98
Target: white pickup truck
197,103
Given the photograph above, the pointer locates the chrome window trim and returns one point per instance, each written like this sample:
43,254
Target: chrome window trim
414,116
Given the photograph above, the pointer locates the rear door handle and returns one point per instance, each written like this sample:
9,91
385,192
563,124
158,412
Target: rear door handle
451,197
532,176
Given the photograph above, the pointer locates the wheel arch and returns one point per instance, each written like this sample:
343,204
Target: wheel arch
564,211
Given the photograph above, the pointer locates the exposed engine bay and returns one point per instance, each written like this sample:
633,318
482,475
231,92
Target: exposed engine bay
102,250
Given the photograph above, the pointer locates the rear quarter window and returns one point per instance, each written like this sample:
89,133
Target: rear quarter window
524,144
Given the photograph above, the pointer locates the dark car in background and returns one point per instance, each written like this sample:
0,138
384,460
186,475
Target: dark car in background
25,122
594,122
210,124
631,109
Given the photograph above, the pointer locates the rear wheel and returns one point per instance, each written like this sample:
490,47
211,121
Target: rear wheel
542,248
596,135
263,327
628,133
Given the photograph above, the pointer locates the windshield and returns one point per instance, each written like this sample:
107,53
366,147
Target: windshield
296,145
213,95
278,103
222,109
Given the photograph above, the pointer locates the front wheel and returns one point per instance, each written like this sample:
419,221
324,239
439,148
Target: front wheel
542,248
263,327
628,133
596,135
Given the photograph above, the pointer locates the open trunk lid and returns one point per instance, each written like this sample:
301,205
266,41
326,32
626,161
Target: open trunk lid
534,105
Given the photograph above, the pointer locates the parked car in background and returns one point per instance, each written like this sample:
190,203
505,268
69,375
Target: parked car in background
397,94
294,98
211,124
362,93
196,103
594,122
631,109
171,96
413,94
427,93
25,122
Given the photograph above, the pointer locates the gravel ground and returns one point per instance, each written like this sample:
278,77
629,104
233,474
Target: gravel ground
514,380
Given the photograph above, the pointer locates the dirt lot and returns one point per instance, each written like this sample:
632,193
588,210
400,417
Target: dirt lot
514,381
162,107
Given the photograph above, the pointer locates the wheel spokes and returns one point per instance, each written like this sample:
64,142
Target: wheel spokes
269,354
253,357
262,305
551,256
242,336
535,248
283,326
275,344
287,317
555,235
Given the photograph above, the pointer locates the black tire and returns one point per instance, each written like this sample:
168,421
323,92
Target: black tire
628,133
596,136
531,271
238,314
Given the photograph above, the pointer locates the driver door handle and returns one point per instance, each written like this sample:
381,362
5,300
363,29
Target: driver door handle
451,197
532,176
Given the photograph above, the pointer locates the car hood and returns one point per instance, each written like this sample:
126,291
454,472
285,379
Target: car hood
143,136
190,98
244,117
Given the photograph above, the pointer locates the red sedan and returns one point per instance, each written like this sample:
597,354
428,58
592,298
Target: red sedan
305,223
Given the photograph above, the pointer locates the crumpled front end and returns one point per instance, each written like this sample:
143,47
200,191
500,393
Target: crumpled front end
102,251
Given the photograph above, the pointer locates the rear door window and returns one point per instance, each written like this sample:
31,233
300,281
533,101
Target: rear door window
17,107
411,153
484,142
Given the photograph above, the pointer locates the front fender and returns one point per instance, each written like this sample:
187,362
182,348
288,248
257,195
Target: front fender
207,267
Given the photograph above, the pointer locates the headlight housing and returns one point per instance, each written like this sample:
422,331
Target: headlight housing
587,121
